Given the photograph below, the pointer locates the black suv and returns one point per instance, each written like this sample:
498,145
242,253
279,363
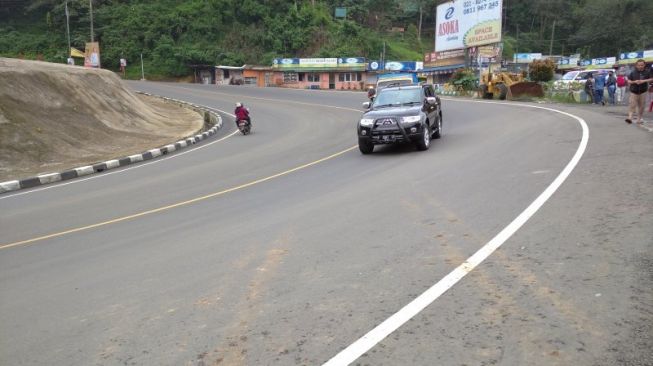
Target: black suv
409,113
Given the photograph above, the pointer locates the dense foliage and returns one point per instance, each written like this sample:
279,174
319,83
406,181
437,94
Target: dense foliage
541,70
173,34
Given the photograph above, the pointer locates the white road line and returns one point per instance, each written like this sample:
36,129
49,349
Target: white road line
376,335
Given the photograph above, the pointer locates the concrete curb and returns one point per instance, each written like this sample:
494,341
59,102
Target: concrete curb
14,185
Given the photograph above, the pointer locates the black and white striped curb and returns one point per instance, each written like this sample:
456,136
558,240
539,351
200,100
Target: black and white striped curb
213,116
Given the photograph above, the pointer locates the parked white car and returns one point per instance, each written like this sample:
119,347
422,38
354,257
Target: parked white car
579,76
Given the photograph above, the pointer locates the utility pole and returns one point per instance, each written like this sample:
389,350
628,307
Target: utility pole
68,28
142,69
90,3
419,28
553,29
383,59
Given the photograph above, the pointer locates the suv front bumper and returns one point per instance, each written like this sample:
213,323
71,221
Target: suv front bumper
379,136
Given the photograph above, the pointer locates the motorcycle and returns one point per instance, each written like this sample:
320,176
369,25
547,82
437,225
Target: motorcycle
244,127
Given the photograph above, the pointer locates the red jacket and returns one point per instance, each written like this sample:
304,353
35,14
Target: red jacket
241,113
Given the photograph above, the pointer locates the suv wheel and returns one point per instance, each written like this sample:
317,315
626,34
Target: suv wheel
365,146
425,142
437,134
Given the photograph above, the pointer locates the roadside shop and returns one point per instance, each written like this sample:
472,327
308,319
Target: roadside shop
345,73
440,66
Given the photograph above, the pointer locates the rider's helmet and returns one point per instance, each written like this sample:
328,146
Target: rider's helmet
239,104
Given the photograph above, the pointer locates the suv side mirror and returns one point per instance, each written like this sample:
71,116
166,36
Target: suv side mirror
366,105
430,100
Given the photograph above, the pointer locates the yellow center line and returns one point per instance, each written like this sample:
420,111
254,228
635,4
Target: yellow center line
179,204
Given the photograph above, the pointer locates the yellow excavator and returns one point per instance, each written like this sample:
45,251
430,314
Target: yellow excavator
506,85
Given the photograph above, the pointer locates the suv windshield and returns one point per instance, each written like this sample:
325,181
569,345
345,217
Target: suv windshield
392,97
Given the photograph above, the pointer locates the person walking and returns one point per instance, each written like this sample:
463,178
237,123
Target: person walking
611,84
599,85
589,88
638,81
621,88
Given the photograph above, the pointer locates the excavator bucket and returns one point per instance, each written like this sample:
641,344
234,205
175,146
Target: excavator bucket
525,88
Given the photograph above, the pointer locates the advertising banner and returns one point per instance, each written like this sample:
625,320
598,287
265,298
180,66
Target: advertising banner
313,64
436,56
92,55
304,63
604,61
568,63
632,57
395,66
526,58
467,23
352,63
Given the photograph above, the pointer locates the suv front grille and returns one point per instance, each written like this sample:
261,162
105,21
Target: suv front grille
385,122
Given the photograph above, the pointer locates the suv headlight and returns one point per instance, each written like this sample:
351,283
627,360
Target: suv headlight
410,119
367,121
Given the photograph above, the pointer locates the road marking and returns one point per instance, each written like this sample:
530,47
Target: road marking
183,203
376,335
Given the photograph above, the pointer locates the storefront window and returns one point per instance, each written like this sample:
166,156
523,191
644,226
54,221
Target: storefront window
289,77
349,76
315,78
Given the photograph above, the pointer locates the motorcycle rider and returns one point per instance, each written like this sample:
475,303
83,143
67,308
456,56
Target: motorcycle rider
242,114
371,93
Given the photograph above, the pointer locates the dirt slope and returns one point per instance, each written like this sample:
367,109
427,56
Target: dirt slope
55,117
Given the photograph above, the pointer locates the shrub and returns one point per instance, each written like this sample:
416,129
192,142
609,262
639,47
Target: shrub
541,70
465,79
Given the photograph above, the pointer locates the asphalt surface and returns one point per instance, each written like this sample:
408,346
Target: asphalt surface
226,254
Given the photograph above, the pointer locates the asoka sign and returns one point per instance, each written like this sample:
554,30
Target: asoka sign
467,23
448,28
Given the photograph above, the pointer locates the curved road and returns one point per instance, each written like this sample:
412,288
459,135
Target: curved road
286,246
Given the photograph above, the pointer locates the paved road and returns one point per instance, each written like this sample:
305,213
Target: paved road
235,257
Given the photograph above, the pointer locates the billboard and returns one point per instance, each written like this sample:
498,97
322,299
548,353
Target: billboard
467,23
92,55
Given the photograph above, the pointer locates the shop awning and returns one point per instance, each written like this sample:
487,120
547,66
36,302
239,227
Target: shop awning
442,69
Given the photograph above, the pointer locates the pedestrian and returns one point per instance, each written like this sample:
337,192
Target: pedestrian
599,85
589,88
611,84
621,88
638,81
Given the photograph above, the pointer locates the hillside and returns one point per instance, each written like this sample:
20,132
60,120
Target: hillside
171,35
55,117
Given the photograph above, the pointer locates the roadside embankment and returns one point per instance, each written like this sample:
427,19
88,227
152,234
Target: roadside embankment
54,117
